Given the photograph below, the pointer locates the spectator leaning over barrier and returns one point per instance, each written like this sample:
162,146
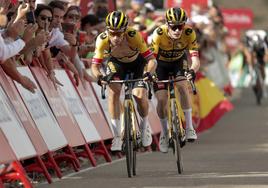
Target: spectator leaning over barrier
11,45
170,44
89,24
127,52
63,50
13,30
72,23
43,15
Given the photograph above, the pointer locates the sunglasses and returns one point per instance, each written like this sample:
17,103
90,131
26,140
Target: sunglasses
74,16
116,33
175,27
44,18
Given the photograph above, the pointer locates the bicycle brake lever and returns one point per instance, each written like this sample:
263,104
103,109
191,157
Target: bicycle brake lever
103,88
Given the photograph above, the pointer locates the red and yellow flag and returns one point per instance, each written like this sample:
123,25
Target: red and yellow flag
209,105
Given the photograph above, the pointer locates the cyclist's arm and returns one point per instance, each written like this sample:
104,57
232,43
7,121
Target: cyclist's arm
156,40
101,45
145,51
193,50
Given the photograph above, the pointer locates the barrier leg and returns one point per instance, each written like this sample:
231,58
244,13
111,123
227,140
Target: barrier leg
45,172
75,158
22,174
54,165
90,155
70,157
102,150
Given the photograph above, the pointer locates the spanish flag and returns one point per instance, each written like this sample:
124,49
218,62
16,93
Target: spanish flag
209,104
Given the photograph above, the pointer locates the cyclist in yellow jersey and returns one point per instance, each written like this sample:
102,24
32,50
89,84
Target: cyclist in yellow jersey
171,43
127,52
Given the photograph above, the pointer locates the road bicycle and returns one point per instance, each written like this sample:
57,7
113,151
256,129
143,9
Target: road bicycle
131,138
176,131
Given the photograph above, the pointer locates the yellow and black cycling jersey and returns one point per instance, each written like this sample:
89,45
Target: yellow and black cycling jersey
170,50
132,45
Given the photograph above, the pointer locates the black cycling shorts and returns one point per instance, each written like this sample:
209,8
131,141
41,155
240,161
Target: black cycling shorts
166,69
121,69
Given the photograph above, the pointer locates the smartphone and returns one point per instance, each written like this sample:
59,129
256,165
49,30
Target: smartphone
81,37
30,17
68,28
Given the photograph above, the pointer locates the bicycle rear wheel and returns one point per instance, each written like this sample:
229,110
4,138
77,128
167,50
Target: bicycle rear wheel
128,141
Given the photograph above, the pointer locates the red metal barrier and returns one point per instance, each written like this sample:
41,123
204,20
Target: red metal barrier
64,119
93,108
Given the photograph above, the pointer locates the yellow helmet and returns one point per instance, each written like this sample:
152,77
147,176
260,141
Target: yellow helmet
116,20
176,16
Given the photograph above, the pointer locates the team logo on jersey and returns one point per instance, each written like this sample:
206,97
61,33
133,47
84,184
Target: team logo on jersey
159,31
110,68
132,33
188,31
103,36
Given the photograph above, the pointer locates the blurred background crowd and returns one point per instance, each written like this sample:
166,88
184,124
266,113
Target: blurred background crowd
66,30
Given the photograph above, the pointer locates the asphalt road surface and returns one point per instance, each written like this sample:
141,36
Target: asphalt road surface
234,153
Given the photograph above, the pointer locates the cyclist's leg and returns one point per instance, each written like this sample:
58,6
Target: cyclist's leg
114,105
141,98
140,95
185,100
161,96
162,71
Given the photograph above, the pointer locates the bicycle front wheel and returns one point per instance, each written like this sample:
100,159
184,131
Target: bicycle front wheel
128,141
177,135
177,151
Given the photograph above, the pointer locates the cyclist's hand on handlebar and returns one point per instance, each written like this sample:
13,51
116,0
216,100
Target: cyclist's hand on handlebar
100,80
149,76
190,75
104,80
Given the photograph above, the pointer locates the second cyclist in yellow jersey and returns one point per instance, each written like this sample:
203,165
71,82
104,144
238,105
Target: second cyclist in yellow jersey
167,49
171,43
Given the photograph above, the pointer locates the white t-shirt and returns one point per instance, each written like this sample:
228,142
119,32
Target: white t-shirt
57,38
10,49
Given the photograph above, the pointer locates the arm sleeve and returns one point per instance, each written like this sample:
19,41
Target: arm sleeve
9,50
102,44
193,44
156,40
138,42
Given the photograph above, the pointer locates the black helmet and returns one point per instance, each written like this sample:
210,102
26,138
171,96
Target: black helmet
116,20
176,16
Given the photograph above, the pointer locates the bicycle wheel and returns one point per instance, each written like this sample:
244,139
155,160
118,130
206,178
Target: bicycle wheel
128,141
258,89
134,162
176,136
134,143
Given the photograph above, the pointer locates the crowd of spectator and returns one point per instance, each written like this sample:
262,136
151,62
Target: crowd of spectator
41,32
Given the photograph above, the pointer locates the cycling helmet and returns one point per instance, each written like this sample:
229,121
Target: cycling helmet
176,16
116,20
